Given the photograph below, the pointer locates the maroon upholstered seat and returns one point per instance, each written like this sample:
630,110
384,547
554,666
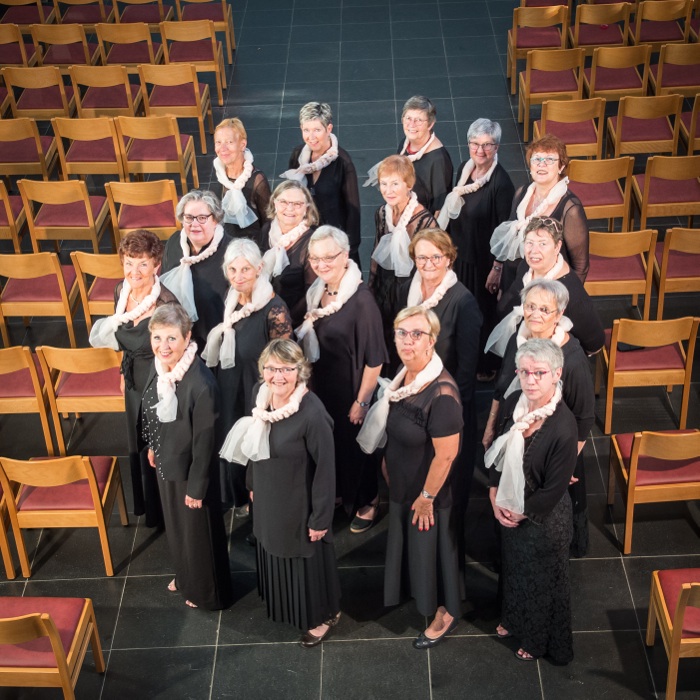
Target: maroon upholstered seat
597,194
687,117
214,12
664,31
44,98
24,151
15,202
67,54
105,383
572,133
677,76
679,264
69,214
599,35
150,14
191,51
625,268
161,214
156,149
671,581
102,289
109,97
25,14
644,129
131,53
662,357
552,81
538,37
615,78
670,191
98,151
174,95
39,288
85,14
18,384
10,54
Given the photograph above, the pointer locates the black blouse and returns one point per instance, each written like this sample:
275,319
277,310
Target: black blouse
434,173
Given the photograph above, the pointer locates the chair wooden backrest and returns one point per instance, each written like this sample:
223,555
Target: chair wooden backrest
602,18
580,114
12,218
41,79
98,296
20,137
219,11
100,78
134,37
674,74
85,12
689,127
153,12
620,58
20,13
47,35
10,35
658,11
677,264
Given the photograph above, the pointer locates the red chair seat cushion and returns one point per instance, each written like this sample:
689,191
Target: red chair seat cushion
552,81
102,383
657,129
86,14
161,214
18,384
538,37
191,51
100,151
668,30
174,95
10,54
39,288
605,269
599,35
695,24
24,150
150,14
687,117
671,581
102,289
131,54
594,194
572,132
15,202
68,54
662,357
670,191
65,612
109,97
212,11
677,76
615,78
156,149
44,98
25,14
74,496
72,215
679,264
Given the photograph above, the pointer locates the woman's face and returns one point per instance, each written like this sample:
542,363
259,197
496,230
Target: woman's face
316,136
482,150
544,168
328,260
281,378
416,126
431,262
537,380
228,145
290,208
541,251
199,233
541,314
394,189
169,345
416,352
242,275
140,272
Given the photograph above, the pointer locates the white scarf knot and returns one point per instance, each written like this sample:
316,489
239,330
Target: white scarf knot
236,209
391,252
415,293
166,408
348,286
373,172
276,258
454,200
306,167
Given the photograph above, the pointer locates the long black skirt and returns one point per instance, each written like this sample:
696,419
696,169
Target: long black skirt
423,564
302,591
197,541
577,492
535,580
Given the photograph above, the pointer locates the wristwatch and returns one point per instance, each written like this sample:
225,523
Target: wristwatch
364,404
427,495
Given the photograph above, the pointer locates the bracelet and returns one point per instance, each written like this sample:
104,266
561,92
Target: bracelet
364,404
493,413
497,268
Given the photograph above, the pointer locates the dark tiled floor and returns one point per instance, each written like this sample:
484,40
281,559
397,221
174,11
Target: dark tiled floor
365,57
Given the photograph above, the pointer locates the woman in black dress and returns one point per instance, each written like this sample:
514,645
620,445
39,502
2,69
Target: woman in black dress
479,202
419,417
246,191
288,446
328,172
179,411
254,316
533,461
135,300
342,335
284,241
192,261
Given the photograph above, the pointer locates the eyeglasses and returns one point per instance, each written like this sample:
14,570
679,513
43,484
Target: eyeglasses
413,120
283,204
531,308
537,374
485,147
421,260
543,160
280,370
401,333
201,218
328,259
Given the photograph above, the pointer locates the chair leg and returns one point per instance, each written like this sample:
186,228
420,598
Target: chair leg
71,331
47,433
672,675
22,552
104,543
95,642
608,407
651,619
660,307
6,554
195,173
231,31
684,406
629,522
5,335
229,52
202,137
121,503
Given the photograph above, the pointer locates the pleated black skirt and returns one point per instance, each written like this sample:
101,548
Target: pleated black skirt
304,592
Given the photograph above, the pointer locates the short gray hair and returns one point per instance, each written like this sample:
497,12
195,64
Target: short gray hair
485,127
311,217
541,350
171,314
316,110
421,103
554,288
242,248
206,196
324,232
288,353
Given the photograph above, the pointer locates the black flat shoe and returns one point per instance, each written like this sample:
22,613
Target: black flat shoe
359,525
309,640
423,642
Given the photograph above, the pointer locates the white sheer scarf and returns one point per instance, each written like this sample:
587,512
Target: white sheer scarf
391,252
306,167
415,293
236,209
166,408
276,258
373,172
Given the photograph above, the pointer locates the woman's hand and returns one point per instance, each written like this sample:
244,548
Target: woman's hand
193,502
151,457
506,517
250,494
357,413
489,433
316,535
493,281
423,513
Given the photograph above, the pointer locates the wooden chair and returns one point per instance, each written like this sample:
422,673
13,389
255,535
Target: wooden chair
63,492
14,50
43,641
176,91
37,285
659,22
64,45
653,468
104,91
65,211
85,380
677,264
622,264
86,12
578,123
97,296
4,542
22,388
600,25
690,124
604,187
678,71
43,95
156,146
23,151
12,218
24,13
218,11
618,71
673,592
152,12
128,45
195,43
645,125
694,28
660,360
137,205
4,98
549,75
669,187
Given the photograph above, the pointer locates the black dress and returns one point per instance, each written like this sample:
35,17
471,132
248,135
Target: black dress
433,178
349,340
337,196
187,463
209,282
236,383
294,490
257,193
535,570
137,361
471,231
294,281
429,558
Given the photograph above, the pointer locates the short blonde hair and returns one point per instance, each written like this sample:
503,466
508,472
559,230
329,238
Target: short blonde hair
235,124
312,216
288,353
400,165
428,314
